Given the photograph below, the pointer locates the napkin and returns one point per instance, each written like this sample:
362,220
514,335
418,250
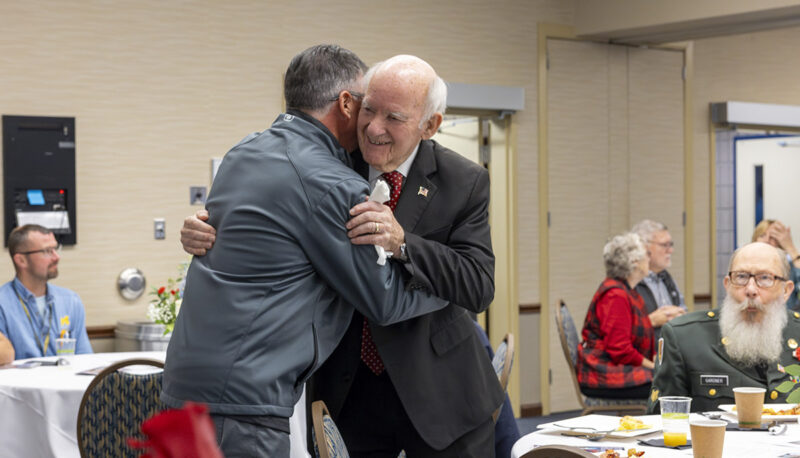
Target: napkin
380,194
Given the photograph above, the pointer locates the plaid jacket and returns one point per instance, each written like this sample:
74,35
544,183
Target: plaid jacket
596,367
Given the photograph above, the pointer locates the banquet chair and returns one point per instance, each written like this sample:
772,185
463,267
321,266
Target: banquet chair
326,433
114,406
558,451
328,442
502,362
569,343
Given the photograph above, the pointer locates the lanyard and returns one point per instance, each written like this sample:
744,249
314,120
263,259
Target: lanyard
46,336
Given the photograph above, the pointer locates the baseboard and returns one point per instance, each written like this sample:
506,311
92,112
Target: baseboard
100,332
530,410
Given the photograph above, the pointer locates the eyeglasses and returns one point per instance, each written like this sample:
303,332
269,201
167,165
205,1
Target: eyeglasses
669,244
356,95
763,280
50,252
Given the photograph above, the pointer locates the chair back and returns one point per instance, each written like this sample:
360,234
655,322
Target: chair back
568,332
568,335
502,362
114,406
558,451
504,359
328,442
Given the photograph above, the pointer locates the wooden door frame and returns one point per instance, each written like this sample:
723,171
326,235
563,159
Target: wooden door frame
563,32
503,313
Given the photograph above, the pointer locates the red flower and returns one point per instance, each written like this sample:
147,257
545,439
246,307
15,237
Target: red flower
161,290
174,292
797,353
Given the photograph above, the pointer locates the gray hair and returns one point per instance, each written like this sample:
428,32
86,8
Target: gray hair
622,253
647,227
784,260
435,99
316,76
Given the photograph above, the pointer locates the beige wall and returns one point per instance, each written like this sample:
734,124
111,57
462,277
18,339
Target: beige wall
647,21
158,88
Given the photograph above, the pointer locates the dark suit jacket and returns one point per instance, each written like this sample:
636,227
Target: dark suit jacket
436,362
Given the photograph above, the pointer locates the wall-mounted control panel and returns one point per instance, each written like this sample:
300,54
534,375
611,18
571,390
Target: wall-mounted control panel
39,174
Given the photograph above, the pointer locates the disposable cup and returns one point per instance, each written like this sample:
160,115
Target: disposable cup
707,438
65,346
749,405
675,419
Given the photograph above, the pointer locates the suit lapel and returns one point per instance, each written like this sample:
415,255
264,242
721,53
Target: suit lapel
418,189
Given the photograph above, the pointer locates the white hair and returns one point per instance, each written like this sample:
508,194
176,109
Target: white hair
435,99
753,342
622,253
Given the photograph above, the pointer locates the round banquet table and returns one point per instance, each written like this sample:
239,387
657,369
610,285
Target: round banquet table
39,406
737,443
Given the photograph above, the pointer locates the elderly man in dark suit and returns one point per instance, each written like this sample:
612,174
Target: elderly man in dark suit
424,385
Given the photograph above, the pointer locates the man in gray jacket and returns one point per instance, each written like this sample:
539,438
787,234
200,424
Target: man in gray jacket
268,304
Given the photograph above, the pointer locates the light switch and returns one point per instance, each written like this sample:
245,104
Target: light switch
159,229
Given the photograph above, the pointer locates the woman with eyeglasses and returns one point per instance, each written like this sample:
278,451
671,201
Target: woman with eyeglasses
615,359
779,235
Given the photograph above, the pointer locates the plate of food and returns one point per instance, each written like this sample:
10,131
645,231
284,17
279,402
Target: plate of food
607,425
771,412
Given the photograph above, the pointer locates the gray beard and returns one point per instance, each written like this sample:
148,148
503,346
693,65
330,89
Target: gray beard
753,343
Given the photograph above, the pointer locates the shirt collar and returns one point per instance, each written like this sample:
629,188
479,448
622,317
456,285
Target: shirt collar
25,293
402,168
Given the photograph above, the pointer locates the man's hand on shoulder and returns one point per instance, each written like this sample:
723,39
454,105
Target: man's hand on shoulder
373,223
197,237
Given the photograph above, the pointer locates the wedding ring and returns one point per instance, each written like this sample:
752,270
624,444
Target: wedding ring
377,228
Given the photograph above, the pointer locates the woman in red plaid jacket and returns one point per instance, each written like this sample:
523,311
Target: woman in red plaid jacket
615,359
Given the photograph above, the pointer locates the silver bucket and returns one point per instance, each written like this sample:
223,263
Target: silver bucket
140,336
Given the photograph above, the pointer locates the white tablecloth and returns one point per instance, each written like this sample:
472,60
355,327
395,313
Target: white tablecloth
737,443
39,407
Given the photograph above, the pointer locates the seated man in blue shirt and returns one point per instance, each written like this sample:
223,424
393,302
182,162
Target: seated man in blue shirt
34,314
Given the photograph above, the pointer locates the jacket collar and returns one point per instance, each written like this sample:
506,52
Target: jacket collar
419,190
336,147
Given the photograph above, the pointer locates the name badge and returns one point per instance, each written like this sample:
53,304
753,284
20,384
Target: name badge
714,380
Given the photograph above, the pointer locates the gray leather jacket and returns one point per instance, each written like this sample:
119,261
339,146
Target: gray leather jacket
269,303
